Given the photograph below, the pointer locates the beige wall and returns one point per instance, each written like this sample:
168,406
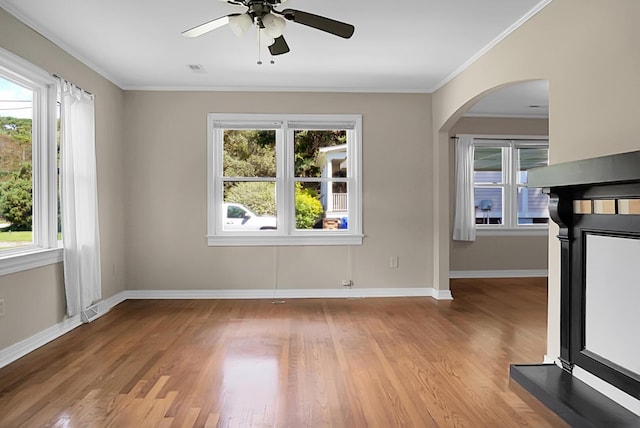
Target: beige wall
34,300
500,126
587,49
166,201
495,252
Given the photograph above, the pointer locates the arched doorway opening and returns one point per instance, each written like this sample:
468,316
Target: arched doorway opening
513,109
510,128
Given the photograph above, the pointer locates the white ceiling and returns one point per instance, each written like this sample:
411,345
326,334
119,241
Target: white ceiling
407,46
528,99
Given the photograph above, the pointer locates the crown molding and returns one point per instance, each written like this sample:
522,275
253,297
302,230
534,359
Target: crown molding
513,27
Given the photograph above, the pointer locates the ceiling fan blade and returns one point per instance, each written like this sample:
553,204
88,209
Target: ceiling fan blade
322,23
279,47
201,29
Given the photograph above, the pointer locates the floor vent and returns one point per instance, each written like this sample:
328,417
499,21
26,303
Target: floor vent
89,314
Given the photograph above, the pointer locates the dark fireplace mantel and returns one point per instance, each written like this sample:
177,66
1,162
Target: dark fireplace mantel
619,168
593,201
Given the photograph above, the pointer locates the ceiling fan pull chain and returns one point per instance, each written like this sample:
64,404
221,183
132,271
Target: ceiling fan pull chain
259,51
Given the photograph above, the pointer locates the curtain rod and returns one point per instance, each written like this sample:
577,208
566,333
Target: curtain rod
65,80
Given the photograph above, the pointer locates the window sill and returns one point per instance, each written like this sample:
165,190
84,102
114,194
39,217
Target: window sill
244,241
18,262
528,231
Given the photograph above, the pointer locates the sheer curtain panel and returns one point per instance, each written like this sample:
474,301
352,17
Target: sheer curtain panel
79,199
464,220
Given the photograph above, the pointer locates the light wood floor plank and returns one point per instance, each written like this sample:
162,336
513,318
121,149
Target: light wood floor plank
402,362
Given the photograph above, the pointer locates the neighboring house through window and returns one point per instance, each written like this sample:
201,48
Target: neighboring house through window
501,199
28,166
284,179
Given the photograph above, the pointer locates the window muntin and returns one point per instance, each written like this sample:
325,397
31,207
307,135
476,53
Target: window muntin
297,175
501,197
37,183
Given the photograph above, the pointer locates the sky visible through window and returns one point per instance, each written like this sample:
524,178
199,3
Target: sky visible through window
15,100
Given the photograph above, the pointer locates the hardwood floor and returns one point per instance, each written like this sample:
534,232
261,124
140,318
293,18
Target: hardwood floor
402,362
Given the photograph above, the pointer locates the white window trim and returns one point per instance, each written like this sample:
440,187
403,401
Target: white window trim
507,141
45,249
31,258
287,233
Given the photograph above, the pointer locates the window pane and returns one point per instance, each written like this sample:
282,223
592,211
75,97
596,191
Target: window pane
531,157
249,153
322,205
320,153
487,165
533,206
16,201
488,203
249,206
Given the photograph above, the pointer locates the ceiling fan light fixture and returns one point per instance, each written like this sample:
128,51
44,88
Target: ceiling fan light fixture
274,25
239,24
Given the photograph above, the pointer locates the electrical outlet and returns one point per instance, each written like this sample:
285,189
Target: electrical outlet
393,262
347,283
1,307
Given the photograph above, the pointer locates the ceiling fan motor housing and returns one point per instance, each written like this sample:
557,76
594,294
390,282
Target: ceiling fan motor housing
258,9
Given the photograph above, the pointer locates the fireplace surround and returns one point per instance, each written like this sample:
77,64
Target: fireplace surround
596,204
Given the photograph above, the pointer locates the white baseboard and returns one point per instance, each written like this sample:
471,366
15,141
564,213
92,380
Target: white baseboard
290,293
531,273
107,304
20,349
442,294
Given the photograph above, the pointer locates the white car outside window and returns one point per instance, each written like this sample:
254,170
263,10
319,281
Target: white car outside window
239,217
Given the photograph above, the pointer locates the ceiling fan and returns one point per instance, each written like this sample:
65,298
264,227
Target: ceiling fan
270,23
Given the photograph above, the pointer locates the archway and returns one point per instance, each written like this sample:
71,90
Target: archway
516,118
507,123
443,174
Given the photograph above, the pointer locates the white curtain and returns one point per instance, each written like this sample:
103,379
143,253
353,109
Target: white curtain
464,221
79,199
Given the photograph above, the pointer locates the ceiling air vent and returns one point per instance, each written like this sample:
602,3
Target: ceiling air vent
196,68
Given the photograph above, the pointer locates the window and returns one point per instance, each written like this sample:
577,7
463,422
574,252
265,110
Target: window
284,179
28,161
502,200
